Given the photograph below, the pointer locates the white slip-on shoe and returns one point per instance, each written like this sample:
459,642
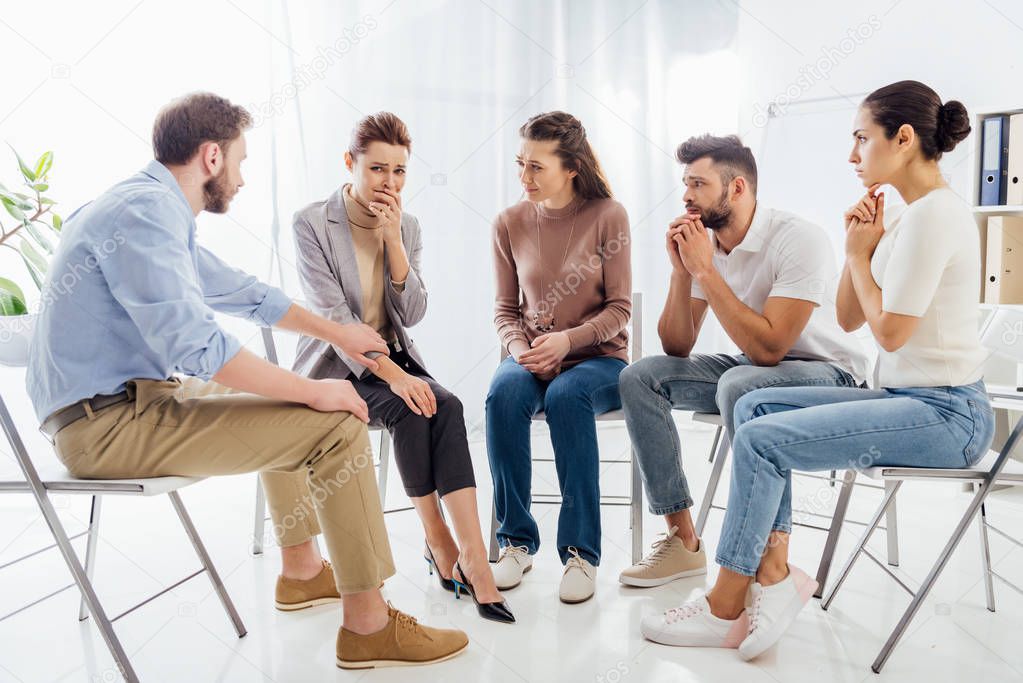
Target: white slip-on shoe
579,580
669,560
773,609
515,561
692,625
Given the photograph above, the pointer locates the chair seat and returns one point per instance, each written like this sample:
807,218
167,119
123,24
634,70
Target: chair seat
59,479
610,416
1012,473
709,418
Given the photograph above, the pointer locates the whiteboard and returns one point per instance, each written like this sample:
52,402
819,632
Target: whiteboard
802,165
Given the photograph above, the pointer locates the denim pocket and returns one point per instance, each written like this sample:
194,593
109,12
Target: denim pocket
982,433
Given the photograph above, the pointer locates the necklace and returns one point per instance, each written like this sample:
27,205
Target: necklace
545,323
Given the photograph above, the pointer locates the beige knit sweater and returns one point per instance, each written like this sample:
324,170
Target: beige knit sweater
586,283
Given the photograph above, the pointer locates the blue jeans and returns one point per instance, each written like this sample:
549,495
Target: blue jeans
570,402
652,387
820,428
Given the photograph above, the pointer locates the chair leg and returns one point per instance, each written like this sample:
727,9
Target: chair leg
867,533
891,523
90,550
636,510
493,533
720,458
385,466
99,615
714,446
925,588
985,557
259,521
834,531
207,563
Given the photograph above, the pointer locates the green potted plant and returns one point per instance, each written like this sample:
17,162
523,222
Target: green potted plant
29,228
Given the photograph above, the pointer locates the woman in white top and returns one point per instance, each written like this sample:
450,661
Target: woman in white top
916,283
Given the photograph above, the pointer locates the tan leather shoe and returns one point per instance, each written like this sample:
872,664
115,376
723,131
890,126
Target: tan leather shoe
403,642
293,594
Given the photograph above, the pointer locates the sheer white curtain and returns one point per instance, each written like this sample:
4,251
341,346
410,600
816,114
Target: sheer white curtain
464,75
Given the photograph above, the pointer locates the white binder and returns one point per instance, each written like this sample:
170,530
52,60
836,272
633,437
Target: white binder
1003,267
1014,191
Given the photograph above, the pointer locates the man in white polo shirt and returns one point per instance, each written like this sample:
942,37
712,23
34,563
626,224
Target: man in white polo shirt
769,277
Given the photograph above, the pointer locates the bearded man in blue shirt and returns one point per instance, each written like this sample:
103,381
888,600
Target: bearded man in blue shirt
131,376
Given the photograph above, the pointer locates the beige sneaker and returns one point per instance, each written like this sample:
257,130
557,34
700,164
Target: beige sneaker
294,594
579,581
669,560
515,561
403,642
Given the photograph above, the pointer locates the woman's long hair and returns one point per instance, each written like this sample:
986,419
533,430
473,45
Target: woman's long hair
574,150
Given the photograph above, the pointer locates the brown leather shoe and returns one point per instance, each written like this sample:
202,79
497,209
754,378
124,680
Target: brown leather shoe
293,594
403,642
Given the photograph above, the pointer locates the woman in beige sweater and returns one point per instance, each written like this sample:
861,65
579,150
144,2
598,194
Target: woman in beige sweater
563,301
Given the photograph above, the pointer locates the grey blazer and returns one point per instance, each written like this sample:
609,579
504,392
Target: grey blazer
329,277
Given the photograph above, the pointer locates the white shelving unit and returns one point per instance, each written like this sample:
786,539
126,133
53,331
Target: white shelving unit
998,371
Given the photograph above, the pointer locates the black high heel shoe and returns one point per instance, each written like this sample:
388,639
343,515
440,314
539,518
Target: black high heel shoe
446,584
494,611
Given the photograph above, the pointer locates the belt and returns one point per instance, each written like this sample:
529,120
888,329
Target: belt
76,411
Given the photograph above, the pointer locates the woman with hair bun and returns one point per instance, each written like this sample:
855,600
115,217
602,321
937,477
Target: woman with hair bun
563,301
914,280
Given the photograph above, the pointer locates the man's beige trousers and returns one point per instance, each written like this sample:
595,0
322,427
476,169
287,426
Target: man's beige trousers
317,468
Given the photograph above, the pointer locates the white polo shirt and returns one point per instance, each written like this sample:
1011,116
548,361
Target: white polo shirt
784,255
927,265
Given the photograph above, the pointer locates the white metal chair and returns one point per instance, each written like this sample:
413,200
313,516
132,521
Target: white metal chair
384,463
41,485
635,499
994,468
719,453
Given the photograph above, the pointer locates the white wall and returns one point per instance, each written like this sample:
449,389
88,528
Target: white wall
794,52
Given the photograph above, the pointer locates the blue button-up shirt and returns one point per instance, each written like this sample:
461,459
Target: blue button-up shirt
130,295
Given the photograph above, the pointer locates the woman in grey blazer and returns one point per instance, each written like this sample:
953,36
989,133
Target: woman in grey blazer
359,261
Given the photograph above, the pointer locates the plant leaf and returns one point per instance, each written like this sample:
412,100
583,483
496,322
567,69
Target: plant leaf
40,187
43,165
30,252
11,305
25,170
50,228
14,210
11,288
58,222
39,237
32,271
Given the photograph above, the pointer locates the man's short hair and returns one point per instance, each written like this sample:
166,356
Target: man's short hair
185,124
732,157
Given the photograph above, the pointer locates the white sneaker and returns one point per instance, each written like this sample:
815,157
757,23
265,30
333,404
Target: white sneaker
579,580
773,609
692,625
515,561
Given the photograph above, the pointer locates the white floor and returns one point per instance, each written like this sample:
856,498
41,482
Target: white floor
185,636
